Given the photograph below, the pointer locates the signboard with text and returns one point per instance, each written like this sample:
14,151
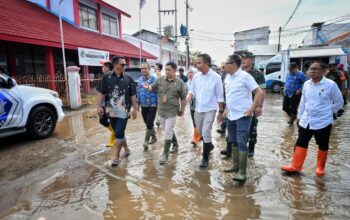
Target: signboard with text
91,57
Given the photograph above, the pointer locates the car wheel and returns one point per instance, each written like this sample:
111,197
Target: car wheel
276,87
41,122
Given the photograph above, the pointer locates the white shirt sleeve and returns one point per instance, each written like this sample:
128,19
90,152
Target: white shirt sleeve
192,89
219,90
337,98
250,82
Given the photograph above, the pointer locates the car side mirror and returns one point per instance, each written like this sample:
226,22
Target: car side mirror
10,83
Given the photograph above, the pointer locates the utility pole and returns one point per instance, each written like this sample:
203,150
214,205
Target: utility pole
63,53
187,38
279,38
160,35
160,27
175,39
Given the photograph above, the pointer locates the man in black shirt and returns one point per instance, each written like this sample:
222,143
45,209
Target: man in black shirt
121,90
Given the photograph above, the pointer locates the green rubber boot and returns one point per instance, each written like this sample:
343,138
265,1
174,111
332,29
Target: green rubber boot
164,157
147,137
235,158
175,144
241,175
153,137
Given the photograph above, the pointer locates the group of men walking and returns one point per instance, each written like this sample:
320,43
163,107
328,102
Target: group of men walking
236,97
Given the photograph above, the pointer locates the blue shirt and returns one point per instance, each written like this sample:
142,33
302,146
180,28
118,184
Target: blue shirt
144,97
294,82
183,78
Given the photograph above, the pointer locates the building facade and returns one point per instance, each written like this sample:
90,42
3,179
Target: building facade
256,36
30,40
150,43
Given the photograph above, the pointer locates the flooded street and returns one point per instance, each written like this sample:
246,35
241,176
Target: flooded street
68,176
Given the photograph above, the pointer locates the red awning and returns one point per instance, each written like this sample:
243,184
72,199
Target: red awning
25,22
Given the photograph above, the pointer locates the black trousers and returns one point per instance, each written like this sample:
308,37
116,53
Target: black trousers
148,115
290,104
321,136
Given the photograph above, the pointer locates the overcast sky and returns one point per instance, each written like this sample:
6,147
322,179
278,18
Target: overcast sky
228,16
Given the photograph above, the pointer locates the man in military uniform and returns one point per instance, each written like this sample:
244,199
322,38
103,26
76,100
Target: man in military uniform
334,74
248,66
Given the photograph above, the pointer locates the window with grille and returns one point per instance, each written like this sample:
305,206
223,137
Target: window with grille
88,17
110,25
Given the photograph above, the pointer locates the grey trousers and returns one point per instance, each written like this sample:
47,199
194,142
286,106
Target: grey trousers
204,122
168,124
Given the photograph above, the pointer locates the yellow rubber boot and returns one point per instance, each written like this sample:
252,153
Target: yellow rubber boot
111,138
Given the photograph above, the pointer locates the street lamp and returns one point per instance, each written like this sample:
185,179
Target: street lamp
63,52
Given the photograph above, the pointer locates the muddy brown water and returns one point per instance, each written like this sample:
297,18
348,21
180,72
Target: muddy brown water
67,176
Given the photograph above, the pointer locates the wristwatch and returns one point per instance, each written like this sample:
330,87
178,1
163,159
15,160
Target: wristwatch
221,111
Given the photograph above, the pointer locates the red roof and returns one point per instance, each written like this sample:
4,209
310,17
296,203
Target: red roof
25,22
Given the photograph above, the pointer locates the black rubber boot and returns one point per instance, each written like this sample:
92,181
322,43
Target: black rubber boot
175,144
251,148
205,155
292,119
228,151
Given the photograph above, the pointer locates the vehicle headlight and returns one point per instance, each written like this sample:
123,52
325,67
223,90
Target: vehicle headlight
55,94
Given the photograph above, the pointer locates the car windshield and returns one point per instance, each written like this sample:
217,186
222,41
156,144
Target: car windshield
135,73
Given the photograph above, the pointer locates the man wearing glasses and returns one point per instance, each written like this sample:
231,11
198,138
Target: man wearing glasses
170,90
240,106
321,98
121,91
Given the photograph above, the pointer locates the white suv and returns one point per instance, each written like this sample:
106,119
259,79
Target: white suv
28,109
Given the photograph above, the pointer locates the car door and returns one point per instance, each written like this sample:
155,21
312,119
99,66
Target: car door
10,104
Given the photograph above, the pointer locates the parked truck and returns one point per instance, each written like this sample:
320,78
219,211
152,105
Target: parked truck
276,68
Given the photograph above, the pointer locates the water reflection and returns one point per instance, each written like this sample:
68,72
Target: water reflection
139,188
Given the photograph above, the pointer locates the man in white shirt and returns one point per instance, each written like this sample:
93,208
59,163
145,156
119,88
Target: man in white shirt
320,98
239,86
207,90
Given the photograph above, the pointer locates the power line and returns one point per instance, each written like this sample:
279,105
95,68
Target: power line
332,20
296,8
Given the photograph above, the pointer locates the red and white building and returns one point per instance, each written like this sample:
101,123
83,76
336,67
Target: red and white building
30,43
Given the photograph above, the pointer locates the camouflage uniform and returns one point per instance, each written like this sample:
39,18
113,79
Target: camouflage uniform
260,80
335,76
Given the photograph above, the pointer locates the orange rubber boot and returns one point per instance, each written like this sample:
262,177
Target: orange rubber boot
195,137
297,162
321,162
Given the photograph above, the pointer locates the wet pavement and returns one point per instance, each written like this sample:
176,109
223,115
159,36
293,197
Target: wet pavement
68,176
